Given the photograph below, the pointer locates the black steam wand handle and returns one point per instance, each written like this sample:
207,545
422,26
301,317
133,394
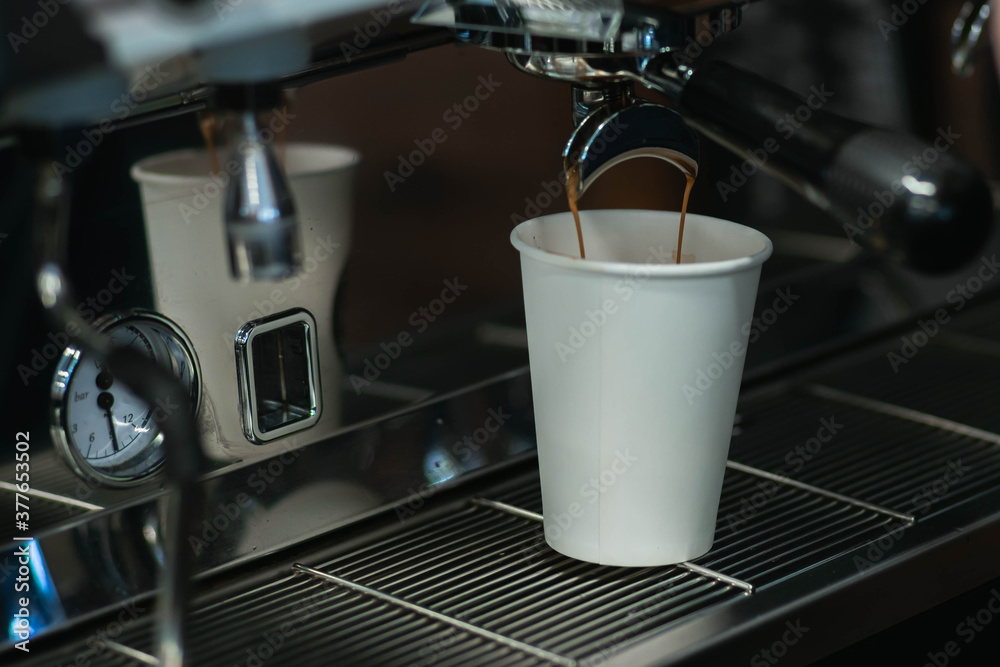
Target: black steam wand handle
918,202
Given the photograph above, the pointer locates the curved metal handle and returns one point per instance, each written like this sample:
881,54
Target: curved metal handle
607,138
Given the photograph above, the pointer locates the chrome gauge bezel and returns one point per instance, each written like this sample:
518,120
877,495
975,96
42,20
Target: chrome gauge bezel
68,363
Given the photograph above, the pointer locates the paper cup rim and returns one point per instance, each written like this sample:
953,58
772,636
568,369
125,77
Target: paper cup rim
332,157
629,268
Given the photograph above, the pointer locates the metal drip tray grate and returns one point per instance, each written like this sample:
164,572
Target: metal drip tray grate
941,380
768,530
492,570
890,462
495,571
299,621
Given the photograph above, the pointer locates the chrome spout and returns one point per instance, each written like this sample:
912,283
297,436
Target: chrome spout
261,225
614,127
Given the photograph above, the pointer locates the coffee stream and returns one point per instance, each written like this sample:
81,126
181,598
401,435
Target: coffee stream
573,196
207,124
684,210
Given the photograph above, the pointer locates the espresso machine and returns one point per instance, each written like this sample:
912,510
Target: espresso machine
206,495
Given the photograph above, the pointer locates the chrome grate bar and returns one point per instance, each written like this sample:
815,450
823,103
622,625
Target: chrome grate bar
873,405
52,496
788,481
442,618
718,576
691,567
509,509
130,652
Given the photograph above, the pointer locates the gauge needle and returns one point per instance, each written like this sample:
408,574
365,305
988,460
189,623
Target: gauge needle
105,400
111,425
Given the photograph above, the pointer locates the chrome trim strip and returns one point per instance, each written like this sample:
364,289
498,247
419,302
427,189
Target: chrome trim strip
437,616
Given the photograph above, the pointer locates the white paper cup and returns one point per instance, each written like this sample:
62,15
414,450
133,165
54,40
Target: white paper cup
189,258
635,370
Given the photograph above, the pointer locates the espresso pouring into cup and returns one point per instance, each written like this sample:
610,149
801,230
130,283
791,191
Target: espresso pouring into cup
617,128
608,382
614,342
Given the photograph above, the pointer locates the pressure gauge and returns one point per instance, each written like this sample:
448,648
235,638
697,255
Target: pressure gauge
104,431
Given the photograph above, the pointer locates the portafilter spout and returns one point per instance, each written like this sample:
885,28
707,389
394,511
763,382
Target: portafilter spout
612,127
261,225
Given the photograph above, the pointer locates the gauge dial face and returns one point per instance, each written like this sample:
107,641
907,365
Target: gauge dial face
106,432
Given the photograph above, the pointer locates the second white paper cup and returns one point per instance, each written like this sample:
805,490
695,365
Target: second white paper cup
192,285
636,365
